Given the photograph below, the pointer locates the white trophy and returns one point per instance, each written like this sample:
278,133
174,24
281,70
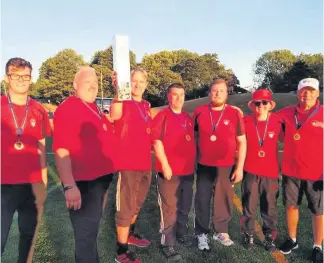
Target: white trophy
121,63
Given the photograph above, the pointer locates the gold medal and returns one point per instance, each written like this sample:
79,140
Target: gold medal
261,153
213,138
188,138
104,126
296,136
148,130
19,146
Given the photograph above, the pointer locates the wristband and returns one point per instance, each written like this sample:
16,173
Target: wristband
68,187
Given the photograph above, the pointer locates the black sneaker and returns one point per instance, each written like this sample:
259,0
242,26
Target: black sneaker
170,253
184,240
317,255
248,241
269,244
288,246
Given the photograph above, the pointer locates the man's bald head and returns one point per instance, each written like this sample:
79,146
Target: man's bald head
85,84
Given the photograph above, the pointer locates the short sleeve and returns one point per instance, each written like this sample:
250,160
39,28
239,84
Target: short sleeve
195,117
240,127
63,127
42,117
157,126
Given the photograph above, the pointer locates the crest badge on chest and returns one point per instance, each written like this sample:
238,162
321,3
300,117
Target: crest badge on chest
32,122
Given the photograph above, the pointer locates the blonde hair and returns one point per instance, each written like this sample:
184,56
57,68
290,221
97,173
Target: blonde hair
141,71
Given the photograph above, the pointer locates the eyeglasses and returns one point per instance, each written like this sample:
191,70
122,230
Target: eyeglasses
258,103
17,77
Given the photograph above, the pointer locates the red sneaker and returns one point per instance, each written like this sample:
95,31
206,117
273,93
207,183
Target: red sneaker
138,241
127,257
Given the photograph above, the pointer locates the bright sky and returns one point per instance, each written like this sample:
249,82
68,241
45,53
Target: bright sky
239,31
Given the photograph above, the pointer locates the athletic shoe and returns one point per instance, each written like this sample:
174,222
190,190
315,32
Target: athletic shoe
317,255
288,246
138,241
203,242
248,241
223,238
127,257
269,244
171,254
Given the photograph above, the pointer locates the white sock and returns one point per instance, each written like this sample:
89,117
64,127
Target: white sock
319,246
293,239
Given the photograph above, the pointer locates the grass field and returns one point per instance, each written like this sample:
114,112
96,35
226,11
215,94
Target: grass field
55,242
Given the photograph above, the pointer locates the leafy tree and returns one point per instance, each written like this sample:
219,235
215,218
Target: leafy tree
3,87
56,75
102,61
298,71
270,68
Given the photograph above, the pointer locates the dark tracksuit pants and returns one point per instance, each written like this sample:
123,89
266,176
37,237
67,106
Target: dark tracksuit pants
86,220
253,188
27,200
211,178
175,200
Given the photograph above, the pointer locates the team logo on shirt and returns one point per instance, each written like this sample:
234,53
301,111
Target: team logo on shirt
318,124
271,134
32,122
226,122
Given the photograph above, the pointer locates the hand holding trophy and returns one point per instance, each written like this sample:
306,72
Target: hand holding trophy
121,63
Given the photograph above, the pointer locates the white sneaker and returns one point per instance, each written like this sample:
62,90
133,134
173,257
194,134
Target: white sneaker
203,242
223,238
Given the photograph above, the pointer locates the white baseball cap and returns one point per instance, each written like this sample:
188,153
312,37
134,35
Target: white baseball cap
308,82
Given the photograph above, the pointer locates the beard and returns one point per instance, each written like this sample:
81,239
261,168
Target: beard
217,103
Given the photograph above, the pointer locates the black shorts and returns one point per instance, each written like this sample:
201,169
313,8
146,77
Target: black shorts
294,188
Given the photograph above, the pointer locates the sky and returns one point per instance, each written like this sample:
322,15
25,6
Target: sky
239,31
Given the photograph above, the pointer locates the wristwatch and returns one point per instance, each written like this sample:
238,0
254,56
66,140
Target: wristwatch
68,187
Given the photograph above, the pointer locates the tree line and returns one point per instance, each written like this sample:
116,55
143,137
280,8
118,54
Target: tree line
279,70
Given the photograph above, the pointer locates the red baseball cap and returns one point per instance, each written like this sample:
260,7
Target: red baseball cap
262,94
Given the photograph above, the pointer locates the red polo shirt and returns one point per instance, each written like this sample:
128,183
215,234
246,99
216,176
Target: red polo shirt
134,136
180,149
268,165
22,166
303,158
89,139
220,152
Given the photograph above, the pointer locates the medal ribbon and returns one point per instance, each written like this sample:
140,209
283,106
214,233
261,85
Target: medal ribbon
184,126
19,130
298,124
214,126
261,141
144,115
98,114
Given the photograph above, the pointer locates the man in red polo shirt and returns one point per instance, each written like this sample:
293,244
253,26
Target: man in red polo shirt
133,127
261,169
24,126
302,164
221,132
84,146
175,150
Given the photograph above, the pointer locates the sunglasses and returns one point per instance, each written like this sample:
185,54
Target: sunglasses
258,103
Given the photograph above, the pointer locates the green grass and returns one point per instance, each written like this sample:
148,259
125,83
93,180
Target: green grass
55,242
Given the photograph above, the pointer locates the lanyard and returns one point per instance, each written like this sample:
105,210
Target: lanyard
261,141
184,126
19,130
143,114
214,126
